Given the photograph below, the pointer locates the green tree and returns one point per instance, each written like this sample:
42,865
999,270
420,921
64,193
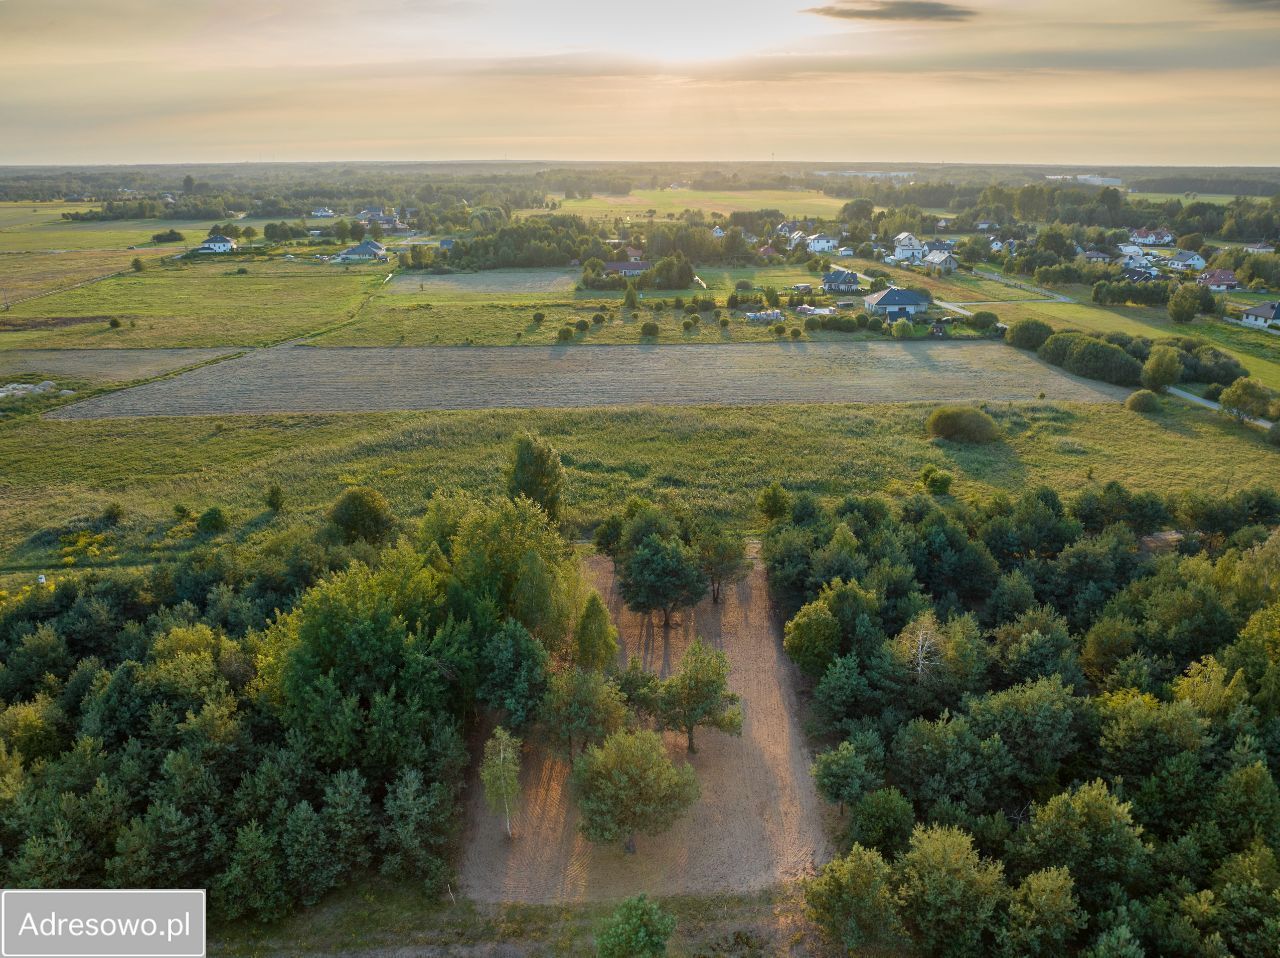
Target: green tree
582,708
629,300
1184,303
1044,916
137,264
637,928
903,329
722,557
414,829
347,814
812,637
854,767
500,773
595,639
362,513
1245,398
537,473
310,865
661,573
252,885
1162,369
698,694
629,786
852,900
949,895
774,502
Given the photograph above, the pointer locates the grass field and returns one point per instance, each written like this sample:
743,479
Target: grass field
1259,351
208,304
716,458
23,275
1222,199
796,204
40,226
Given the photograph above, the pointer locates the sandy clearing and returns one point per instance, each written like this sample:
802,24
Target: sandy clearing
759,821
101,365
352,379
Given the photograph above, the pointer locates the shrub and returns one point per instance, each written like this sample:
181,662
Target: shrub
1028,334
1144,400
1214,392
1092,358
539,317
597,319
275,498
796,332
638,928
635,315
112,515
875,324
982,320
362,513
780,329
582,325
212,521
1162,369
136,264
242,271
812,322
564,334
742,284
649,329
687,325
114,322
861,320
937,482
903,329
724,322
961,424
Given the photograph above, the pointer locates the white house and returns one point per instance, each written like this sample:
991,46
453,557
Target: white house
1218,280
822,243
364,252
1255,248
941,259
1156,237
896,303
1263,316
216,244
796,238
840,281
846,251
1186,259
1132,260
323,213
907,247
717,232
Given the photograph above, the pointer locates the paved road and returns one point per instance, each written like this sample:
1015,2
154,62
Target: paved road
1210,404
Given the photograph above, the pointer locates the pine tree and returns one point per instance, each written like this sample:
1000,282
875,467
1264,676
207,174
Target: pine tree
595,639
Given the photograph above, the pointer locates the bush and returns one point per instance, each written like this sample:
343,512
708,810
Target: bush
242,271
780,329
539,317
362,513
114,322
582,325
1214,392
687,325
136,264
1092,358
903,329
982,320
275,498
1028,334
875,324
937,482
812,322
724,322
649,329
1144,401
212,521
597,319
564,334
961,424
638,928
796,332
861,320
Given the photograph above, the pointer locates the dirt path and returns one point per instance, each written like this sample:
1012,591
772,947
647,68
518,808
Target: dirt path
759,821
344,379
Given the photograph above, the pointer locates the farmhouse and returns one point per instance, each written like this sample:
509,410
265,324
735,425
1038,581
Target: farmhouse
1156,237
840,281
1256,248
907,247
1219,280
896,303
822,243
1094,256
629,268
364,252
1263,316
216,244
942,260
1186,260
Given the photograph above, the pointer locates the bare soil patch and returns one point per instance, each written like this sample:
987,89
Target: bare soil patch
352,379
759,821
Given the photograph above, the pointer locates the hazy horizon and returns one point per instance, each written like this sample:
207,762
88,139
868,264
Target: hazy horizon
1088,83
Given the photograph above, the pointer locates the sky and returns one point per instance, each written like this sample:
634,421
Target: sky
1094,82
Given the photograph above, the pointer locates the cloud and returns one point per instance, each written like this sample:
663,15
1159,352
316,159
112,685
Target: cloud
928,10
1254,4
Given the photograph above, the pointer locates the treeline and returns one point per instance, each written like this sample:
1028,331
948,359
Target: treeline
1046,739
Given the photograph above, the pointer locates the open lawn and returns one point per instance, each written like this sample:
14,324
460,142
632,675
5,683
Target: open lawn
637,204
1259,351
23,275
40,226
715,458
958,287
209,304
1222,199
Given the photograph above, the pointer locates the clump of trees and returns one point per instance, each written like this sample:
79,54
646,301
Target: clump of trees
1048,740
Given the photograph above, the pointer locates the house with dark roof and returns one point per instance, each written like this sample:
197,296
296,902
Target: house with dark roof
840,281
1263,316
939,246
941,259
1095,256
629,268
216,244
364,252
1186,259
896,303
1254,249
1134,275
1219,280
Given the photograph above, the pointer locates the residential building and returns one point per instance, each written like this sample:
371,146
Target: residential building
1094,256
896,303
907,247
363,252
1219,280
1256,248
840,281
1186,259
937,245
323,213
941,259
629,268
1155,237
822,243
1263,316
216,244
